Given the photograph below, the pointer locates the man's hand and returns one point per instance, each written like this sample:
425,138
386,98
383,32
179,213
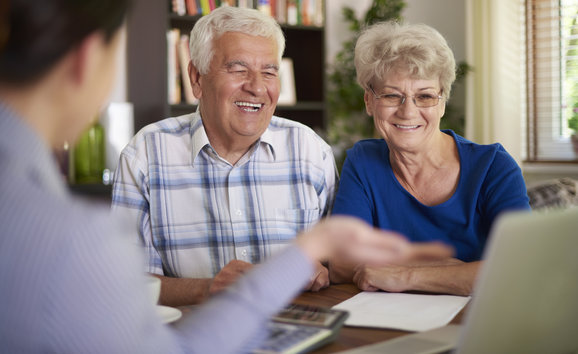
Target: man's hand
320,278
228,275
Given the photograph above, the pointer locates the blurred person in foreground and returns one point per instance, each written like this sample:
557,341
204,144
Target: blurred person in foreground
426,183
71,280
215,191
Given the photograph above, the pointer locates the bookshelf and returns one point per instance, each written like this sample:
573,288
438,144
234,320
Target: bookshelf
147,66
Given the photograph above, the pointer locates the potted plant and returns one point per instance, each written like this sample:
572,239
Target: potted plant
573,125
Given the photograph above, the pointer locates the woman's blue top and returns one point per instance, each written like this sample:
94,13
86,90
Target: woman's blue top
490,183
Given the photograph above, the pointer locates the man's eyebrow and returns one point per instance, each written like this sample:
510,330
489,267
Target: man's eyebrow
244,64
232,63
272,66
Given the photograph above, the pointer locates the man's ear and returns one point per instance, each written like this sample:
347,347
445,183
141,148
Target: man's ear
195,78
84,57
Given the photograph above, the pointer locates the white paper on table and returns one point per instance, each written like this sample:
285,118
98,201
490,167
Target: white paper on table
408,312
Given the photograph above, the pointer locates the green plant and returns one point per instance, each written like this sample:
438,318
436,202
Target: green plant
571,72
573,125
454,118
573,120
348,122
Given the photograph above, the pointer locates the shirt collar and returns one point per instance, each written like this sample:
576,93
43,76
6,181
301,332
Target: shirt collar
200,139
267,139
199,136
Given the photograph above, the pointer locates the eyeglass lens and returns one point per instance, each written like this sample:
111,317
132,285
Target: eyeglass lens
421,100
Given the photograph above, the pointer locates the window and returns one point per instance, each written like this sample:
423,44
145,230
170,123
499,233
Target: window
552,58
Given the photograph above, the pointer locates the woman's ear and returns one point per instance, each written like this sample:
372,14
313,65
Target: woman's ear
195,78
368,103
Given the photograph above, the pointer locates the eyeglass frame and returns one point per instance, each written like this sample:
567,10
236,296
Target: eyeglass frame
403,98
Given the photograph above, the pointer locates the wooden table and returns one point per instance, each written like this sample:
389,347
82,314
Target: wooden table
349,337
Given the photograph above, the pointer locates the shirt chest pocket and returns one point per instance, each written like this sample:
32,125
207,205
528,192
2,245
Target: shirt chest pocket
289,222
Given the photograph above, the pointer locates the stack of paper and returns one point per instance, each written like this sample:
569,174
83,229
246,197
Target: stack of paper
408,312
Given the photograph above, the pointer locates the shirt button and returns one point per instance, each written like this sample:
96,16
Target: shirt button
239,212
244,253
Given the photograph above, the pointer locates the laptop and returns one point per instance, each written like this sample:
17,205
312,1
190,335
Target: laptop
525,299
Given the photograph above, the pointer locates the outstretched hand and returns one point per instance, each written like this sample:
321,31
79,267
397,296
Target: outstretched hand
352,240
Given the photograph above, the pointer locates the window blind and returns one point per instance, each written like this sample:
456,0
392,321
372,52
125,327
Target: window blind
552,78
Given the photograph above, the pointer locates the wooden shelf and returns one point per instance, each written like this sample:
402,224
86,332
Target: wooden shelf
147,66
93,191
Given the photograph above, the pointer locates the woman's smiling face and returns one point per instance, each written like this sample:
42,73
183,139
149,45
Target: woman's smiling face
405,127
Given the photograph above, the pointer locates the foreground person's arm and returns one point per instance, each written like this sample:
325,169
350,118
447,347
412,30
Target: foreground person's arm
109,309
236,318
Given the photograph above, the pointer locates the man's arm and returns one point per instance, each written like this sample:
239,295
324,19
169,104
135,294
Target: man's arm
183,291
448,277
189,291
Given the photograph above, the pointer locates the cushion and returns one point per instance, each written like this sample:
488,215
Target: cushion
556,193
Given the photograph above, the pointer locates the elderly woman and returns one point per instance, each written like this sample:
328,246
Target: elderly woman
423,182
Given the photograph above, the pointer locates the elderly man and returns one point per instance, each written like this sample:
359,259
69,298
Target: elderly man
218,190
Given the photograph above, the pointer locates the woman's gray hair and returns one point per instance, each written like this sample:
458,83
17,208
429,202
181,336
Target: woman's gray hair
230,19
418,50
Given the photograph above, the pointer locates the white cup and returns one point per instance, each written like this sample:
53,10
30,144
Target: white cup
154,287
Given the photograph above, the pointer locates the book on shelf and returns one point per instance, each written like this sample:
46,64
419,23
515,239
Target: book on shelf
306,12
281,11
191,6
178,7
291,12
206,7
319,17
273,7
245,3
300,12
287,95
312,12
173,74
264,6
184,59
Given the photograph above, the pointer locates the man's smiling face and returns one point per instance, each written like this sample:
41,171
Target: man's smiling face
240,92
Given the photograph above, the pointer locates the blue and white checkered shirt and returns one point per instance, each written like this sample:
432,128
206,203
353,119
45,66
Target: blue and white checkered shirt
195,212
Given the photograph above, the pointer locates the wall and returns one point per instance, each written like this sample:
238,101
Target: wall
119,90
447,16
